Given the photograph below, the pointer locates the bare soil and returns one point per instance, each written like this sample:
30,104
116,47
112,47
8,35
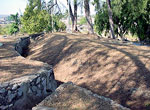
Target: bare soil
12,65
107,67
71,97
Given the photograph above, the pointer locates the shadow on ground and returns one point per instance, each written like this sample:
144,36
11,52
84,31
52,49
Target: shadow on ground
106,67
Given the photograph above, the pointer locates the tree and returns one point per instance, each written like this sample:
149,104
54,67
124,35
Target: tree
14,27
55,15
73,16
88,16
110,14
34,19
15,18
39,17
130,16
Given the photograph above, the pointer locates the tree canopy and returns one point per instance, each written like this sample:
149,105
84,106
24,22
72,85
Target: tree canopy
129,16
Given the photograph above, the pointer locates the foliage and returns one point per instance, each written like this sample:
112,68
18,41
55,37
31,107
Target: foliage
15,18
129,16
1,30
4,30
82,21
62,26
13,28
102,20
58,25
36,19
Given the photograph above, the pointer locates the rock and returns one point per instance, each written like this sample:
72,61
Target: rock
39,93
39,86
43,108
38,80
75,62
15,86
10,105
4,36
21,90
1,44
9,92
30,91
34,88
11,97
3,100
32,83
43,79
20,93
44,83
4,84
3,107
2,91
44,87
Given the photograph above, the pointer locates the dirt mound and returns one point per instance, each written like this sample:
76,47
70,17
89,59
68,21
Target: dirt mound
120,71
71,97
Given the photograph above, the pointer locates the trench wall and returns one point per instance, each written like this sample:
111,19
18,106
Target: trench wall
24,92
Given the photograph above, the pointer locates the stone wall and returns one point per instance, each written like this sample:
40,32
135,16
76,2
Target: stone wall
22,45
69,96
24,92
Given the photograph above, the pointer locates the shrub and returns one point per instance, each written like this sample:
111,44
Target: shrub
82,21
13,28
62,26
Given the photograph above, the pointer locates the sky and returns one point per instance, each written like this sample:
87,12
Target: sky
8,7
12,6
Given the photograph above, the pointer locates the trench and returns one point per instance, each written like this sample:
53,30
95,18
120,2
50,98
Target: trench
22,48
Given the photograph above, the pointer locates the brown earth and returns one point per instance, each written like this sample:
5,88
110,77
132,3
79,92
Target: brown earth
12,65
71,97
111,68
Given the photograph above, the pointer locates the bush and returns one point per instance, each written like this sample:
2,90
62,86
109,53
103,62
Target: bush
4,30
1,30
58,25
82,21
62,26
13,28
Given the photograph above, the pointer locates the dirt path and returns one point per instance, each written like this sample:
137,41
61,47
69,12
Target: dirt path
110,68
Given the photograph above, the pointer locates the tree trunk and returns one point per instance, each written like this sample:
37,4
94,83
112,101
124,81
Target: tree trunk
75,15
88,16
110,14
71,14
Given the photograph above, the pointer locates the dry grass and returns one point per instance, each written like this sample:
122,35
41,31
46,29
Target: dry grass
12,65
105,66
72,97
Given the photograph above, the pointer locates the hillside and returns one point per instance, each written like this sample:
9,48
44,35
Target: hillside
120,71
